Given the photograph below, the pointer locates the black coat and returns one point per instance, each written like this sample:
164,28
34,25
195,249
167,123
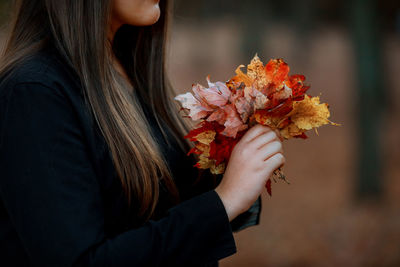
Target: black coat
61,202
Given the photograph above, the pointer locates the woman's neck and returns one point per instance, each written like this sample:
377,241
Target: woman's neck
114,61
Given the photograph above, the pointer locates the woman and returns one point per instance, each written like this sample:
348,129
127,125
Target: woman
93,170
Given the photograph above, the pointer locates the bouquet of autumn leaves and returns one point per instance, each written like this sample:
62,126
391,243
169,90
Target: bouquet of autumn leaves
266,95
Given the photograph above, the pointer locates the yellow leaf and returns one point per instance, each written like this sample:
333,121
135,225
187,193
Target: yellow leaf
218,169
205,137
262,118
241,77
291,130
205,149
309,113
256,71
204,162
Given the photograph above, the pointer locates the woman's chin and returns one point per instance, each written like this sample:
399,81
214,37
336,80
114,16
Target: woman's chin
157,13
147,16
153,17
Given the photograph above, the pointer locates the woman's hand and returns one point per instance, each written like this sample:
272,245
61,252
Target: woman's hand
251,164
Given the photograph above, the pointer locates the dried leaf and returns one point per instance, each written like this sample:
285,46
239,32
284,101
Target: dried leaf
290,131
264,94
256,72
268,186
205,137
242,78
219,169
188,101
309,113
233,123
204,162
277,72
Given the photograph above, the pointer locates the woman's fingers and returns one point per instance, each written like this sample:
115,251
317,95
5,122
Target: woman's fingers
275,161
264,139
254,132
271,149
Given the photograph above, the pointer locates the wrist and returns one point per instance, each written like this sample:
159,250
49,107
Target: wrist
230,210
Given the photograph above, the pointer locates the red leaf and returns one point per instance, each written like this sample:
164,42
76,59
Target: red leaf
296,83
303,136
222,146
284,123
268,186
283,109
204,126
192,150
277,71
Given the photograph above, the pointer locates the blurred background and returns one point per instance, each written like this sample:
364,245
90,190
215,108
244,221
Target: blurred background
342,207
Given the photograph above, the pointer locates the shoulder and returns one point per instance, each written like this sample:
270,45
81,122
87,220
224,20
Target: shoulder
43,70
41,89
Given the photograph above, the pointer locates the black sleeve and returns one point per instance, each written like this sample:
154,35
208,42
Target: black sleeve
206,181
250,217
53,198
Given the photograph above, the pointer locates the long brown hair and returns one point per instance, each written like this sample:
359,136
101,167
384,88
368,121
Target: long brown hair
78,29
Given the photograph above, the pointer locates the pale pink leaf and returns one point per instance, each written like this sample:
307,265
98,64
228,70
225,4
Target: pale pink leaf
188,101
233,123
218,115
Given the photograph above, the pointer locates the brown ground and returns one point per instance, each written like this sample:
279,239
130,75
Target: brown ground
315,221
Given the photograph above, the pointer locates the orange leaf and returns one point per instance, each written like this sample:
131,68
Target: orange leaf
277,72
241,77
